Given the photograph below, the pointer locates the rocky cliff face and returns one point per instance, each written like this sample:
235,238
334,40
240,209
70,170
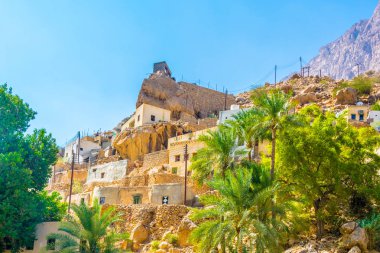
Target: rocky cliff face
359,45
133,144
186,101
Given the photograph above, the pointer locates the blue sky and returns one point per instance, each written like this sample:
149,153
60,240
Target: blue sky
80,64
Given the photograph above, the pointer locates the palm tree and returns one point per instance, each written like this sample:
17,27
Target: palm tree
273,107
244,124
237,217
89,231
217,156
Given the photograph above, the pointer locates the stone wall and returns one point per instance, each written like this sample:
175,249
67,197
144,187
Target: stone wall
156,159
157,218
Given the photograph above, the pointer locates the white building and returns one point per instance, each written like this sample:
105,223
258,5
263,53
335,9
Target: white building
374,116
147,114
88,150
107,172
227,115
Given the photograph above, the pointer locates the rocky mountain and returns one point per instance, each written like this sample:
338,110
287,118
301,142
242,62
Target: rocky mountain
359,46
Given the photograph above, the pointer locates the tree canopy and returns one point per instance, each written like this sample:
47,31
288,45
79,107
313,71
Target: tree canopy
25,160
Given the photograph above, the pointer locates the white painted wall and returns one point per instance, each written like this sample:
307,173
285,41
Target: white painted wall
375,115
112,171
227,115
143,116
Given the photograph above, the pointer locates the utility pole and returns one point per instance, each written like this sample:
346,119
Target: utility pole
301,66
308,71
275,74
78,148
186,156
320,73
71,179
225,100
358,66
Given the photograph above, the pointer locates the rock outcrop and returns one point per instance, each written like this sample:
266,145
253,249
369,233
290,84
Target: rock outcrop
185,100
133,144
359,45
346,96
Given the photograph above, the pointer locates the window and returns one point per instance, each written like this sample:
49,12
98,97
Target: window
152,118
138,118
361,117
177,158
174,170
50,244
353,116
93,170
82,200
81,149
165,200
194,154
137,199
102,175
102,200
189,173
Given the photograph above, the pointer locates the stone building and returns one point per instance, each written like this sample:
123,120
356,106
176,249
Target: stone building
176,146
147,114
162,68
357,113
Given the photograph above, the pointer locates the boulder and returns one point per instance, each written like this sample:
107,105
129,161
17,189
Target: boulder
164,245
306,98
346,96
139,234
348,228
355,249
358,238
174,250
184,230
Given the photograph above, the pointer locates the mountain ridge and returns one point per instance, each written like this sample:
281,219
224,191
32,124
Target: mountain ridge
359,45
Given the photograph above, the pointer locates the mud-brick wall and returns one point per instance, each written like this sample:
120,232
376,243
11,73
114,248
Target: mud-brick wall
156,159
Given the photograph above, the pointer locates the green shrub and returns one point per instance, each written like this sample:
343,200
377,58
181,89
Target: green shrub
171,238
154,245
362,84
372,226
375,107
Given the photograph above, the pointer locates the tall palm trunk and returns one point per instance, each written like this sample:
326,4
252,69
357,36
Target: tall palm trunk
273,154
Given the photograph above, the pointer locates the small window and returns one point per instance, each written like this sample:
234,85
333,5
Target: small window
189,173
177,158
137,199
81,149
165,200
102,200
138,118
174,170
102,175
82,200
194,154
353,116
152,118
361,117
50,244
93,170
